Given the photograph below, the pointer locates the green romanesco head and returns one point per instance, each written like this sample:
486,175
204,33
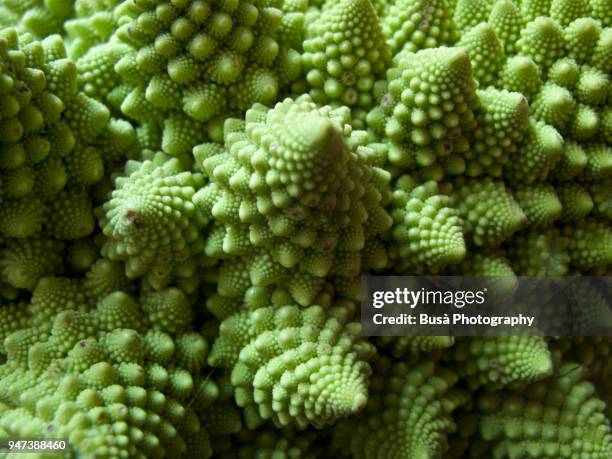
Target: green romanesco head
408,413
560,417
292,197
295,366
345,54
109,382
150,221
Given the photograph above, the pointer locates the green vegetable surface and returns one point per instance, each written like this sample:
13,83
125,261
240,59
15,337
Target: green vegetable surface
190,191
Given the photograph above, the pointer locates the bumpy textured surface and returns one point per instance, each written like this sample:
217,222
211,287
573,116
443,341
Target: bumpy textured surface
93,23
563,420
501,121
152,223
295,366
595,356
411,25
501,361
408,414
427,231
293,199
192,61
305,143
39,17
430,100
45,121
112,383
489,210
537,253
345,54
57,142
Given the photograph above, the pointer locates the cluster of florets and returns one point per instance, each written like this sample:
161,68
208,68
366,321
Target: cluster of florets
179,174
512,122
120,380
294,200
56,144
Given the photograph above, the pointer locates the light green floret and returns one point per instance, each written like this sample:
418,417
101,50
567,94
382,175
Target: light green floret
345,54
181,133
592,87
235,332
428,107
93,23
202,58
295,366
491,263
97,76
151,222
590,243
470,13
501,121
539,253
542,40
488,209
602,197
427,231
599,163
118,143
85,165
558,417
554,105
531,9
53,295
576,201
566,11
24,261
167,310
105,277
602,55
70,215
581,37
38,17
602,11
293,196
520,74
584,124
500,361
539,202
13,316
411,25
507,21
594,354
407,416
564,72
486,52
541,150
33,100
108,383
55,142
